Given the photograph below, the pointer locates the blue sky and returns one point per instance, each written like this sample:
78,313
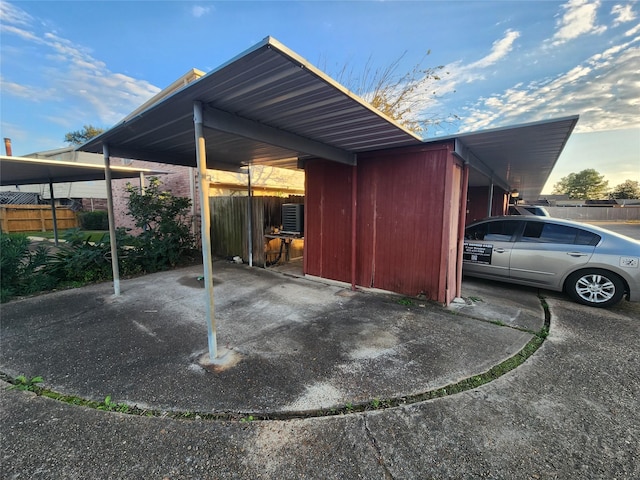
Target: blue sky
64,64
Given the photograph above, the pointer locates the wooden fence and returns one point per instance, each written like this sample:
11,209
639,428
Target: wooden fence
32,218
229,231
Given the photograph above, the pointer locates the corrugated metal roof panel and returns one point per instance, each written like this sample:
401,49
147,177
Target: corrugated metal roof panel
269,85
522,156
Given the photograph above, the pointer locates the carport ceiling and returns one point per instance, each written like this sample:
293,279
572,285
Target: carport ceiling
519,157
33,171
267,106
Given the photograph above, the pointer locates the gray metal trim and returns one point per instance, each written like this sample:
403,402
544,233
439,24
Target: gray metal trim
220,120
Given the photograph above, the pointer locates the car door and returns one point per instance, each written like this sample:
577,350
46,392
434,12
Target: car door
545,251
488,246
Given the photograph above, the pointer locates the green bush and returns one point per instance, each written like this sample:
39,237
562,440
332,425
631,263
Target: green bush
22,271
80,260
166,240
97,220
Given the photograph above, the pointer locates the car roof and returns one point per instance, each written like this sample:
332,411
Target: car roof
560,221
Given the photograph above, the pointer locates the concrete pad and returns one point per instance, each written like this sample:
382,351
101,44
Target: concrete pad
570,411
287,344
512,305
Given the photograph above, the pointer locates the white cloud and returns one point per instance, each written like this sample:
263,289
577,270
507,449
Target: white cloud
604,90
499,50
29,92
198,11
458,74
633,31
12,15
69,71
579,19
623,13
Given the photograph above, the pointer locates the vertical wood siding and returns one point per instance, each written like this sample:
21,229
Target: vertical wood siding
400,217
30,218
408,208
478,203
328,220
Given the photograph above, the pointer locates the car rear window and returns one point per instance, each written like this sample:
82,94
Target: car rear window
553,233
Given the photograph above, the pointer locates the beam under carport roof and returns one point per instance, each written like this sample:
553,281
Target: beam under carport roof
34,171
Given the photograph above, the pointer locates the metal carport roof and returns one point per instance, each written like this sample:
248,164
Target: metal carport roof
31,171
518,157
270,106
266,106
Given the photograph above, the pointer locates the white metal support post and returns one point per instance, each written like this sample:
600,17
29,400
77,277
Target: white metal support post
249,217
112,222
490,204
201,158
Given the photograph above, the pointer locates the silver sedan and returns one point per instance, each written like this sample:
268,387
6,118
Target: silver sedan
594,266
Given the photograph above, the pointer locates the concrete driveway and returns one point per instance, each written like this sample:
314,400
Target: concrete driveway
570,411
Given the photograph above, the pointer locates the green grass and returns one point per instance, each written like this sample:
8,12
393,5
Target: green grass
92,235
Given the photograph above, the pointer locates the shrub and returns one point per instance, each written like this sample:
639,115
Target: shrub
22,271
80,260
97,220
166,239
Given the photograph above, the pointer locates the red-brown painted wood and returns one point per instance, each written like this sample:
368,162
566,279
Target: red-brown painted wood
408,212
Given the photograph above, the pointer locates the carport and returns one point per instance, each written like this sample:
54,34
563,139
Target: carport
270,106
16,171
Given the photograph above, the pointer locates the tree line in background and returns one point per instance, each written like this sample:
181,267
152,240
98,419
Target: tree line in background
589,184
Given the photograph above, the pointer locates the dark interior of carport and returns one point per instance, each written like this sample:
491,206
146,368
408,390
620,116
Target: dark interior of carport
383,209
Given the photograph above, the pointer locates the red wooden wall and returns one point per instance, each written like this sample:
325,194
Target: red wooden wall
327,214
478,203
408,205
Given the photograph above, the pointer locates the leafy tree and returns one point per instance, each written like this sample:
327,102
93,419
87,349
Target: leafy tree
585,185
627,189
400,96
81,136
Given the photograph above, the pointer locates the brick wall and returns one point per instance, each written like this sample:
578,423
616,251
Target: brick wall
176,180
92,204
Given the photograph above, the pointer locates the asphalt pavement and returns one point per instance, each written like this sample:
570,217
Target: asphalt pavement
309,370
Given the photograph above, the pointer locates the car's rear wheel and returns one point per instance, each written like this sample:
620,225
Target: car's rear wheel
595,287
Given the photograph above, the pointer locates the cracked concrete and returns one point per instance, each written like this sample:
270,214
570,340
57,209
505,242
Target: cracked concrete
570,411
